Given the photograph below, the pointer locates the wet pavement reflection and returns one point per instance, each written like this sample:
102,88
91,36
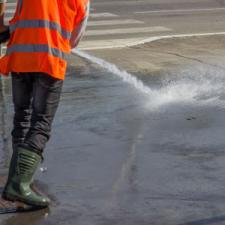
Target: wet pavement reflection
112,160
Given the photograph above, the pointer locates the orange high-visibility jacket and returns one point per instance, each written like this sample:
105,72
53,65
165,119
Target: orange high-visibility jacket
40,36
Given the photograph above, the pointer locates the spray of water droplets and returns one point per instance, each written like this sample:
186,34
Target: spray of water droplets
199,86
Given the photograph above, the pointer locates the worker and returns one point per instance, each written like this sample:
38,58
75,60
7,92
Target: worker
42,34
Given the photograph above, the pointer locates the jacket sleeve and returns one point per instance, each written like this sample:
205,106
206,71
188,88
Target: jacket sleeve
80,22
81,8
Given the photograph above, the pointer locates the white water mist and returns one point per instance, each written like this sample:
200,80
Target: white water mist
199,86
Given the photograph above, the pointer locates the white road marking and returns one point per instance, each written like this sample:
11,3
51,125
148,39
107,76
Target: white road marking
11,4
113,22
104,44
126,31
99,15
181,10
129,42
10,11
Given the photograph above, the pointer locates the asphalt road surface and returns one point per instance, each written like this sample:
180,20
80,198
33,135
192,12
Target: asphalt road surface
117,156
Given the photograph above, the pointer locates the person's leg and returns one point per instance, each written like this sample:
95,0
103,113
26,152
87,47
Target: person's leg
20,172
46,97
22,94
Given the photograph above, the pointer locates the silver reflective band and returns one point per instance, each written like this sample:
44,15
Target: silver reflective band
38,48
40,24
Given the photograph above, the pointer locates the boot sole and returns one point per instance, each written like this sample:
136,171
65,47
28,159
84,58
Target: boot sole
13,198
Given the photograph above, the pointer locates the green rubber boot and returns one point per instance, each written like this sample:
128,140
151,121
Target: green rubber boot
23,165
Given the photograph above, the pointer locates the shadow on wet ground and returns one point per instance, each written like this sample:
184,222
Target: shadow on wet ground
113,159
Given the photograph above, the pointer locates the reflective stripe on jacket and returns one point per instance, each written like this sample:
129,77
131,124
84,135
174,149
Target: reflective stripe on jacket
40,36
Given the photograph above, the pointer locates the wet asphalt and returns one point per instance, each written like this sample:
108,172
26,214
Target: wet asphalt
112,159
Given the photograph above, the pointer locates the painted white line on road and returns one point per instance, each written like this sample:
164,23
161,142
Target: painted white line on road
113,22
181,10
98,15
11,4
120,43
10,11
126,31
102,44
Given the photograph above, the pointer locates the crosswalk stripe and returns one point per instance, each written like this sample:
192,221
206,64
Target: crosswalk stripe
114,22
105,14
8,11
103,44
11,4
126,31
